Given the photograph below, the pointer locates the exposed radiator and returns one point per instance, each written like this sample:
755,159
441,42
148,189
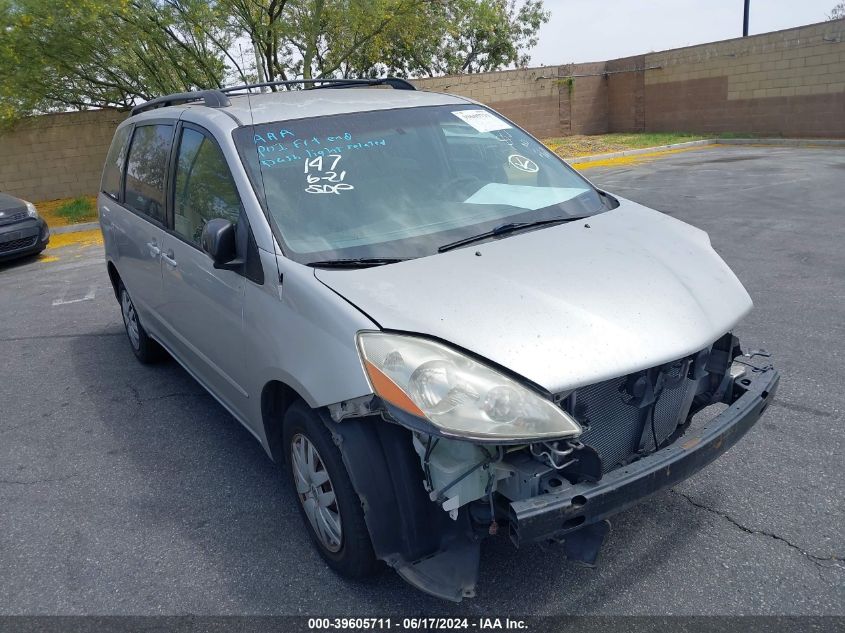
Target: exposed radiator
620,430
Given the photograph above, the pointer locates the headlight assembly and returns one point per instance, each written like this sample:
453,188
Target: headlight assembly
457,394
31,211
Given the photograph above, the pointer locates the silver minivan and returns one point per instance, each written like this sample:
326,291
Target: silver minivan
442,330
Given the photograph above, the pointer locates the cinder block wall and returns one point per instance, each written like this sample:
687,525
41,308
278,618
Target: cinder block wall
787,83
530,97
625,94
56,155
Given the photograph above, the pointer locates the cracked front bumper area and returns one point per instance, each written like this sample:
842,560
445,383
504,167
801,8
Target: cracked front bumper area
553,516
438,552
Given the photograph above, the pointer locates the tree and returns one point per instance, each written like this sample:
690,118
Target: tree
100,53
837,12
324,38
59,54
484,36
318,38
459,36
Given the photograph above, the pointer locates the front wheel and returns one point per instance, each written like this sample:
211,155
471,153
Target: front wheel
328,503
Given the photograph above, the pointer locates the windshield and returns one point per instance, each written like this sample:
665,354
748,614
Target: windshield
401,183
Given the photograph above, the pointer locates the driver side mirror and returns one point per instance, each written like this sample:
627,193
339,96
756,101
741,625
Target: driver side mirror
218,240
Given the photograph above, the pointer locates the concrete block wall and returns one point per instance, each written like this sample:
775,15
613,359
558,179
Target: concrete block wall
588,98
542,100
530,97
626,94
56,155
786,83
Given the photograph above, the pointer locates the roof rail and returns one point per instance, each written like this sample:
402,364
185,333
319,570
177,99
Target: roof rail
211,98
217,98
312,84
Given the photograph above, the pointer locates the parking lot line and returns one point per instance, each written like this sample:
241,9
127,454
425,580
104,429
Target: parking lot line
63,300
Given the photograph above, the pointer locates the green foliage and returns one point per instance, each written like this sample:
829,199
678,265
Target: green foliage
366,38
80,209
60,54
452,37
569,82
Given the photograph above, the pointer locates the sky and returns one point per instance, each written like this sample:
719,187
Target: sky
596,30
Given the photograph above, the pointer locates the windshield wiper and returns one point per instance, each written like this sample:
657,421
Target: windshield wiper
357,262
504,229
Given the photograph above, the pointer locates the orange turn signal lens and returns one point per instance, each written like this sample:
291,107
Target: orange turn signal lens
389,391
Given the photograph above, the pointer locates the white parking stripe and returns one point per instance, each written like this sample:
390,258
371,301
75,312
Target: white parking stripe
63,300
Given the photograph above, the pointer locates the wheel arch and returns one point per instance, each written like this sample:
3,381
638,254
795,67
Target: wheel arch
276,399
404,525
115,279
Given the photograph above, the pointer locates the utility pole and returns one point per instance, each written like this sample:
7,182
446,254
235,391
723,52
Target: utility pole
745,18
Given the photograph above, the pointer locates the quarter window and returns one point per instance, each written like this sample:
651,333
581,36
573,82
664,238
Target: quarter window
145,169
204,186
114,163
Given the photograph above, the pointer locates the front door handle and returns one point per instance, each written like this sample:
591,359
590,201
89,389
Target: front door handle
155,251
169,259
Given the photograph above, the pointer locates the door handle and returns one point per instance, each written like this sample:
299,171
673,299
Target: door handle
155,251
169,259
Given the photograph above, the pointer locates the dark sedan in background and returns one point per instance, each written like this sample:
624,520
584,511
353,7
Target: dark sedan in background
22,231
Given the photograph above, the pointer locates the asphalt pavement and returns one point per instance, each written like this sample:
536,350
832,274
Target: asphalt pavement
126,489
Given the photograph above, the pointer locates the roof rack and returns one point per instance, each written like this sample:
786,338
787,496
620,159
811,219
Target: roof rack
217,98
211,98
311,84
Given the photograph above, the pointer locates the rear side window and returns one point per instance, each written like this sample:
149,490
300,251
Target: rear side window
204,186
145,169
114,163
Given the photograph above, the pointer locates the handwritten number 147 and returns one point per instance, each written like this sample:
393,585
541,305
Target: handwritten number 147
322,177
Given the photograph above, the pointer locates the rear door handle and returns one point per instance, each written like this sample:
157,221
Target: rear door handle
155,251
169,259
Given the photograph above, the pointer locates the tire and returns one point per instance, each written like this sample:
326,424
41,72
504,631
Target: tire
348,549
145,349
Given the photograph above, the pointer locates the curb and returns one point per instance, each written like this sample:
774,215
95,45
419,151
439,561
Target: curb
75,228
636,152
783,142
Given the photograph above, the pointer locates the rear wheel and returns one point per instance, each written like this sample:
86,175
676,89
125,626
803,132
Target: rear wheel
329,504
145,349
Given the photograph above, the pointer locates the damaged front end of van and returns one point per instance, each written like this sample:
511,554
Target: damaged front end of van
431,495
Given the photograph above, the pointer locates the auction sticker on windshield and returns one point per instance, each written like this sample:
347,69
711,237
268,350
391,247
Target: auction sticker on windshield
482,120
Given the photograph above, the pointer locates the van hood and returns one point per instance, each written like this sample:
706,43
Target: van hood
565,306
